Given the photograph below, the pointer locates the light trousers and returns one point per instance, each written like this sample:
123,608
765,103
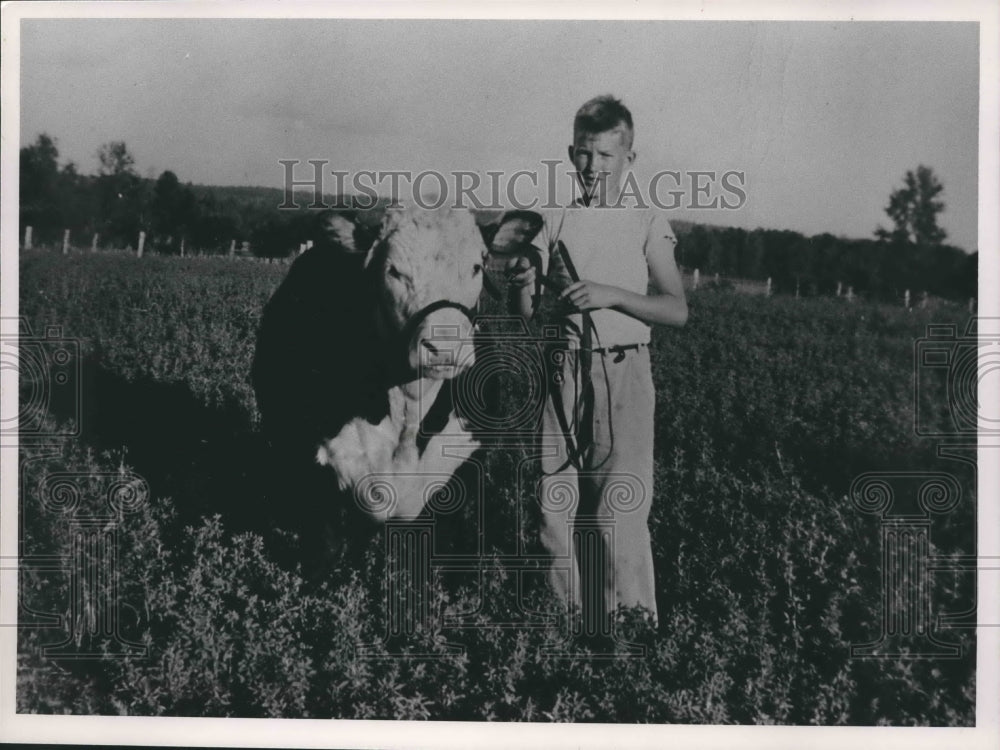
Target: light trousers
594,516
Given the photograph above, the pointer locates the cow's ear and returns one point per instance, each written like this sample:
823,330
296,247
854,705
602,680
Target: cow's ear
350,231
488,222
514,232
337,231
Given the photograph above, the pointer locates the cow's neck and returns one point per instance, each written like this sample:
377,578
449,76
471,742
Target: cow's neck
408,406
418,395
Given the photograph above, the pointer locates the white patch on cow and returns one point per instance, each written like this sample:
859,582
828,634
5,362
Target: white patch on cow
363,449
357,448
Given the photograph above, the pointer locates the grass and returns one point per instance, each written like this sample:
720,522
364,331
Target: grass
767,409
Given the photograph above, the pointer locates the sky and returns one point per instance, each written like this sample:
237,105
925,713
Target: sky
822,118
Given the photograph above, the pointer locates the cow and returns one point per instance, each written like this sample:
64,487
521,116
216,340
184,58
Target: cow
354,353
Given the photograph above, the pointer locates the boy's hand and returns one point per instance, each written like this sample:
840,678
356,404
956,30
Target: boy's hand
520,272
589,295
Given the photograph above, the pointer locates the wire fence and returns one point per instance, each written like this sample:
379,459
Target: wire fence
693,279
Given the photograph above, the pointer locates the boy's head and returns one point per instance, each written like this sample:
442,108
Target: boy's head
602,146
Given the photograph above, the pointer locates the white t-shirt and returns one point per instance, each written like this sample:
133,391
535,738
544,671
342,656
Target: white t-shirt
607,246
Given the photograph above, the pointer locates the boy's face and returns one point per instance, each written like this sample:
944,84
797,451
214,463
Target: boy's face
600,160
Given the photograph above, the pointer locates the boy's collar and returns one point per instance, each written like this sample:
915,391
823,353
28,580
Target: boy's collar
629,202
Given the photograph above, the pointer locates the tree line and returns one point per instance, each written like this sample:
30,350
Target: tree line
912,255
117,204
880,268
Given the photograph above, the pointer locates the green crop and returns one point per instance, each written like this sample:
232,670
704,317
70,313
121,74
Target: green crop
767,409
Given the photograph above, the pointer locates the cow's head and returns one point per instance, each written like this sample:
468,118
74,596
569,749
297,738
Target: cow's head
425,268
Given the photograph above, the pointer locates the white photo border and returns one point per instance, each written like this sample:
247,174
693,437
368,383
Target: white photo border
403,734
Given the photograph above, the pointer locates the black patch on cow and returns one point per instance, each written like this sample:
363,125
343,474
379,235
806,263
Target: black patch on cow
318,365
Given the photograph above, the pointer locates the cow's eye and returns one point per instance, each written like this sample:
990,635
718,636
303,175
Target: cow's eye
394,272
477,269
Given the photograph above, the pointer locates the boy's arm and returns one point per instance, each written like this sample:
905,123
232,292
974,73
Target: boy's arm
667,307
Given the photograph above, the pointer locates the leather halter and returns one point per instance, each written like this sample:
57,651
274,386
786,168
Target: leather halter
442,304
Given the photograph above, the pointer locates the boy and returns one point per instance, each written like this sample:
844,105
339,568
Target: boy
597,424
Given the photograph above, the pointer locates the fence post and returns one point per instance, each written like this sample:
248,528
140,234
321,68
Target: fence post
768,286
839,288
972,305
93,242
182,247
850,294
906,299
697,274
142,244
796,287
66,242
923,299
232,248
716,278
27,238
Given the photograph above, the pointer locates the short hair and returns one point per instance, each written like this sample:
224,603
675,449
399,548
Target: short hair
601,114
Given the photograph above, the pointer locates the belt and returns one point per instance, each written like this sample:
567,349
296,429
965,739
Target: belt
617,349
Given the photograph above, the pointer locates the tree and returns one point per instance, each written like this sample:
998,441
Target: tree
39,175
914,209
52,199
172,210
751,258
76,201
115,159
39,165
123,195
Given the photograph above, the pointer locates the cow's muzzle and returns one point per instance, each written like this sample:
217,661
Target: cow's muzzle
440,340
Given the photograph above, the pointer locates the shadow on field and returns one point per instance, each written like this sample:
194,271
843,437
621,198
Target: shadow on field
208,460
211,460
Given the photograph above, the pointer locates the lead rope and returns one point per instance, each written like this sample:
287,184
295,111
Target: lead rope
579,436
580,448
